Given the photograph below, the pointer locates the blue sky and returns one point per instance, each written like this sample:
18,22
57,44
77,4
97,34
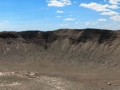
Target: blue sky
45,15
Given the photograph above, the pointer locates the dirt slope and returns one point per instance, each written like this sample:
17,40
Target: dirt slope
66,59
89,46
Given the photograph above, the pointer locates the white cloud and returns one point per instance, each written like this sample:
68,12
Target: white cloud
63,25
46,17
111,6
114,1
91,23
110,13
58,11
69,19
99,7
87,23
94,23
75,2
58,16
115,18
58,3
71,15
102,20
6,21
77,22
105,9
94,6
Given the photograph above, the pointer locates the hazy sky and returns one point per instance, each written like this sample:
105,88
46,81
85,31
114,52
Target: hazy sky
45,15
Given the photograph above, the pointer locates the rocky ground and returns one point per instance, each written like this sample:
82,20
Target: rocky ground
39,81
